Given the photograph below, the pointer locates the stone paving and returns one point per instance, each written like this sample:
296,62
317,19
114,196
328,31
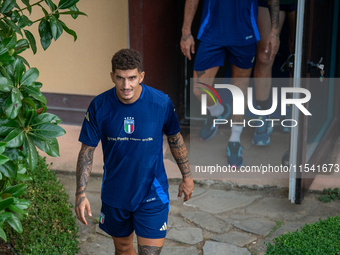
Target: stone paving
214,221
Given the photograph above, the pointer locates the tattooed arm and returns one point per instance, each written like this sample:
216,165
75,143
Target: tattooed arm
273,41
187,41
84,167
179,152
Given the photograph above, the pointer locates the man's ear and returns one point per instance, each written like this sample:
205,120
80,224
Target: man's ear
112,77
142,74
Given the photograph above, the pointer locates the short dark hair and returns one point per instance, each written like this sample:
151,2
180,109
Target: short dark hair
127,59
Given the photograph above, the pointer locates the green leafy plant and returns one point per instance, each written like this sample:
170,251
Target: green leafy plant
321,237
24,123
330,195
50,228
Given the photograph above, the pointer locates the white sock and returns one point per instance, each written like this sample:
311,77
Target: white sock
236,132
216,110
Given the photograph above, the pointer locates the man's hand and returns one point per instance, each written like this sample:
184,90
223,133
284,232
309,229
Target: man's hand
186,187
82,204
187,45
273,43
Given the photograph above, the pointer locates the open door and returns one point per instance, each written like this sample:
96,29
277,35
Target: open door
315,63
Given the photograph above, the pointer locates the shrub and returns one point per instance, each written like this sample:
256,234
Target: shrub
24,122
321,237
49,227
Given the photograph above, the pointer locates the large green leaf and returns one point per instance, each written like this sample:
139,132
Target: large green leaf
27,3
14,154
16,97
56,27
50,146
30,115
21,46
3,235
19,68
30,76
64,4
15,224
46,118
35,93
69,31
15,190
3,49
29,103
75,9
23,177
50,4
72,13
7,6
23,60
12,109
21,169
45,33
6,59
6,85
7,126
15,138
4,27
9,169
13,26
3,160
22,203
24,21
18,210
15,16
48,130
2,147
6,202
9,42
5,215
31,152
31,40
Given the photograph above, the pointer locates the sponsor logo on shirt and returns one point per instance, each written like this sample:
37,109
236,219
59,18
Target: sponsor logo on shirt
129,125
249,37
87,116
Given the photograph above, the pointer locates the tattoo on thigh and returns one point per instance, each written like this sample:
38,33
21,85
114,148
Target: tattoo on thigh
200,73
148,250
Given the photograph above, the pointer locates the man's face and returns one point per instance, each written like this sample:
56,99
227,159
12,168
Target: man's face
128,88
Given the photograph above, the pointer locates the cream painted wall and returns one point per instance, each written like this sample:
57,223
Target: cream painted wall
82,67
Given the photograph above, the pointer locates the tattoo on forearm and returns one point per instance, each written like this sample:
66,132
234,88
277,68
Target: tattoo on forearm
185,37
148,250
179,152
84,167
80,201
274,8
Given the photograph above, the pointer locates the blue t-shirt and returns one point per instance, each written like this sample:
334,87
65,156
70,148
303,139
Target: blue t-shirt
229,22
132,143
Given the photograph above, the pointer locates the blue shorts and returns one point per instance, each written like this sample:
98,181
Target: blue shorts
209,55
148,222
283,7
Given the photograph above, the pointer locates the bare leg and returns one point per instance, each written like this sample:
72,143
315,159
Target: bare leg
149,246
124,245
263,65
209,73
240,78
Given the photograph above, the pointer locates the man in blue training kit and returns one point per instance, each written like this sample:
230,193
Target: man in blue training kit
130,120
228,28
